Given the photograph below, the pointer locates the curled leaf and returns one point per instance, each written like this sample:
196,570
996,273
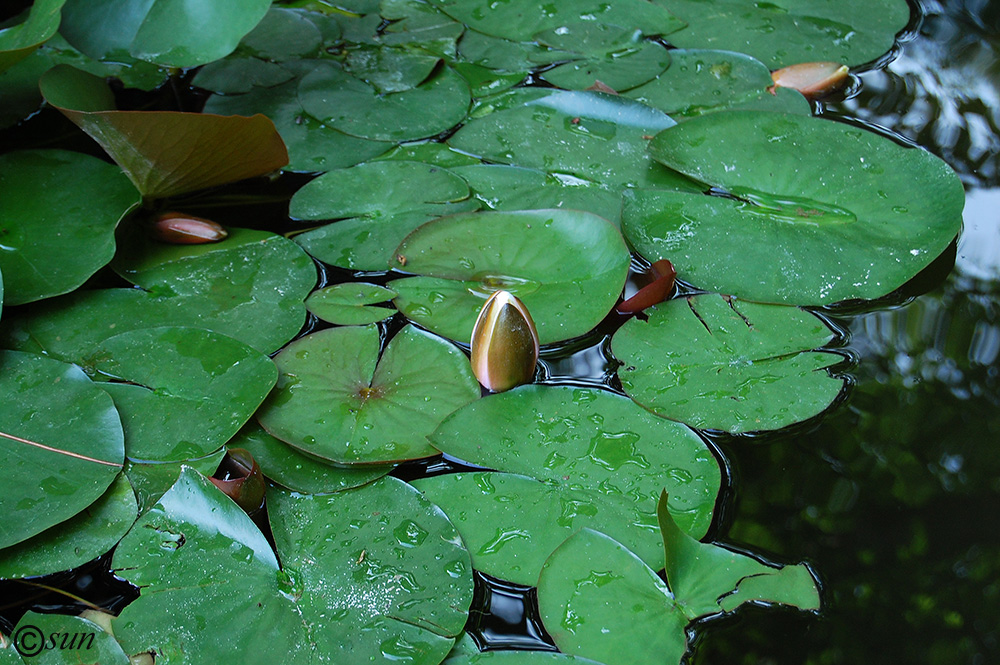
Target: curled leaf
240,478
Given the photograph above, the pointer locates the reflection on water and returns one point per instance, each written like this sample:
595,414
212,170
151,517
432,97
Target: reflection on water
894,498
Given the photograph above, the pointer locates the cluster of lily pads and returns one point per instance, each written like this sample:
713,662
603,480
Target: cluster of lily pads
548,149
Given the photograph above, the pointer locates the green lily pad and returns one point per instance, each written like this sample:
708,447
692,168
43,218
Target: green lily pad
513,657
413,22
165,153
430,152
60,639
501,187
823,211
332,401
588,440
390,70
617,57
718,363
567,266
412,600
519,21
18,40
283,34
85,536
505,56
703,81
55,233
511,523
239,75
591,135
382,202
353,106
185,391
151,480
62,442
312,146
599,600
160,31
299,472
786,32
348,304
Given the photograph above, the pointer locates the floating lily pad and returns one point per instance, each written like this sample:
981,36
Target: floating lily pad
785,32
184,391
62,442
383,202
599,600
703,81
333,402
505,56
501,187
165,153
567,266
430,152
18,40
519,21
511,523
348,304
60,639
592,440
825,211
55,233
283,34
299,472
419,24
85,536
514,658
412,600
160,31
151,480
595,136
353,106
716,363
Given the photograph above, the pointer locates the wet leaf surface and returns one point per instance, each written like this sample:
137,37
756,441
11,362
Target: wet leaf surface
151,480
822,210
348,304
58,639
568,267
730,365
333,401
62,431
590,440
55,233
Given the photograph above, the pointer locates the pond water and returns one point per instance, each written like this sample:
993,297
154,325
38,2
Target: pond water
892,497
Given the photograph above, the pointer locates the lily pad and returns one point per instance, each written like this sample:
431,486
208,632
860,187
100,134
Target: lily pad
501,187
412,600
161,31
823,211
283,34
382,202
165,153
567,266
55,233
599,600
348,304
332,401
519,21
184,391
336,98
511,523
719,363
151,480
18,40
299,472
62,442
515,658
785,32
591,135
702,81
85,536
584,439
60,639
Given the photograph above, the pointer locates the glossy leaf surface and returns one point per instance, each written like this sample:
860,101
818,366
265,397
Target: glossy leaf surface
55,233
60,430
17,41
348,304
592,440
824,211
730,365
568,267
60,639
151,480
166,153
338,400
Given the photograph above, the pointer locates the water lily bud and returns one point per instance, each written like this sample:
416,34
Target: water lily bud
812,79
504,343
241,479
180,229
655,292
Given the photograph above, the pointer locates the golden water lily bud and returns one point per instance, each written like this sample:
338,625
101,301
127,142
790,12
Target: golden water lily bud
504,343
179,229
812,79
